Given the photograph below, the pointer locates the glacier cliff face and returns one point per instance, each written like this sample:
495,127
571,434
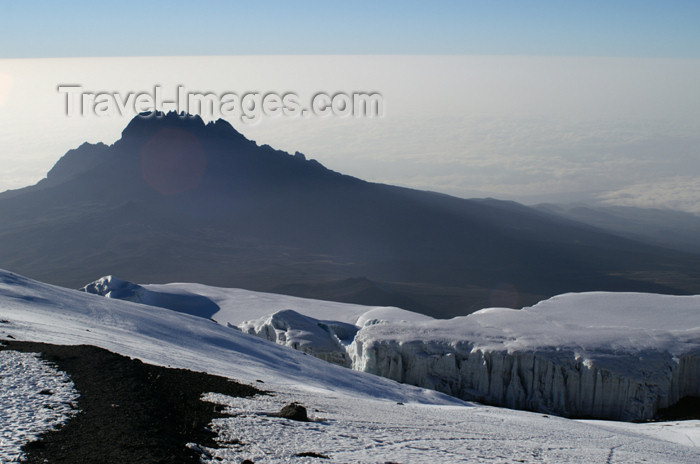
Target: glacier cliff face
553,381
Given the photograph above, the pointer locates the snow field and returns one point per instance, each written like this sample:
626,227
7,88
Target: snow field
359,418
368,431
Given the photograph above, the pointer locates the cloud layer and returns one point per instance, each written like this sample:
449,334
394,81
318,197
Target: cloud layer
620,131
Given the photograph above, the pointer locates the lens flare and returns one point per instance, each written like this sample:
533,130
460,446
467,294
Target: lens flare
173,161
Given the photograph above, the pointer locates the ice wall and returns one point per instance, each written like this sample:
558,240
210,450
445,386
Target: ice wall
562,382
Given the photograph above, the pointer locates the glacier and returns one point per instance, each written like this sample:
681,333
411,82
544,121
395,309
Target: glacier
621,386
619,356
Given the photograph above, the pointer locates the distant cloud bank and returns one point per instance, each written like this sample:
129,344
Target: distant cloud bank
531,129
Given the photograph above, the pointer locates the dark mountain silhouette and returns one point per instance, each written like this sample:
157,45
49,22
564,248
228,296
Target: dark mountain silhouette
176,199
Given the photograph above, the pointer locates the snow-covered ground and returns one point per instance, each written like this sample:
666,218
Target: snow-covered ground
370,431
357,415
235,306
34,397
597,354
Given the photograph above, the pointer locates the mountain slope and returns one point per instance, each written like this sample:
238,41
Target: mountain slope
672,229
357,417
179,200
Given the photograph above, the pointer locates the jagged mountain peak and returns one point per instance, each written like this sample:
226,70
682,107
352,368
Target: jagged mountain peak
171,153
148,123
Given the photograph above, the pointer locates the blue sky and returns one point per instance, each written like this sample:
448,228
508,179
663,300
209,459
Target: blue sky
639,28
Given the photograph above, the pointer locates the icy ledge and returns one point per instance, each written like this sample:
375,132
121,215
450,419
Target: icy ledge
604,355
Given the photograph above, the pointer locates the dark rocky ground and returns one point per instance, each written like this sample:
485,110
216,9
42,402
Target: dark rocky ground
130,412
